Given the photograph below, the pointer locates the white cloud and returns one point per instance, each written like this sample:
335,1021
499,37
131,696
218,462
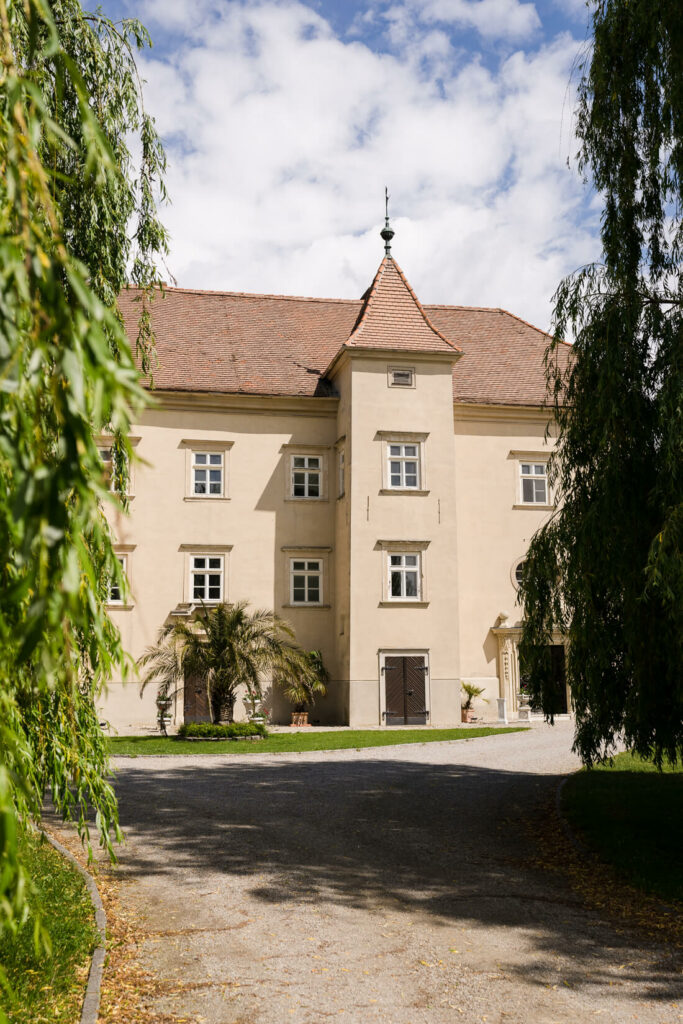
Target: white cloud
281,137
491,18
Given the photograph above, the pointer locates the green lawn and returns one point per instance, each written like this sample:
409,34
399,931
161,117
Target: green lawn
279,743
50,987
632,816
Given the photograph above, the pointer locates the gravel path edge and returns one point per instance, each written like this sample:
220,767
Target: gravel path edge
91,1000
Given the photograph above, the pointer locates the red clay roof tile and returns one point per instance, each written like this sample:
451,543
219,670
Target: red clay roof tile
392,317
237,343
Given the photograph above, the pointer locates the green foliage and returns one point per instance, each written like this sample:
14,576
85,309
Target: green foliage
607,568
472,691
49,982
631,814
225,647
288,742
304,680
69,104
235,730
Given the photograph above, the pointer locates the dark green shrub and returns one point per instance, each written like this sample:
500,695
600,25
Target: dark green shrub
235,730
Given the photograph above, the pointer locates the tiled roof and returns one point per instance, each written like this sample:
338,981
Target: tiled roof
392,317
236,343
502,361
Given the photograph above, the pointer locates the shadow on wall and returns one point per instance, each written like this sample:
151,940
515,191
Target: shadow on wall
447,840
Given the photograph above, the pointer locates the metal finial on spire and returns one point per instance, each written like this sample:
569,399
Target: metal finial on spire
386,233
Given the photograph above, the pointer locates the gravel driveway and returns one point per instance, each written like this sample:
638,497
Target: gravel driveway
389,884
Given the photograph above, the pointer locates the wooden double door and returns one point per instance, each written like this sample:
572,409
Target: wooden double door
405,689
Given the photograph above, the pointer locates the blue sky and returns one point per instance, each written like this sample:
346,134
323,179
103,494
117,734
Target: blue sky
284,119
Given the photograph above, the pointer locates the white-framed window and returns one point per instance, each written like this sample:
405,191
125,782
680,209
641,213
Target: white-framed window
401,377
107,455
533,478
404,576
403,465
341,469
207,474
206,468
207,574
307,476
517,572
115,591
306,580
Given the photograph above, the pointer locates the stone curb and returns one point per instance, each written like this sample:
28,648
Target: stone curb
91,1000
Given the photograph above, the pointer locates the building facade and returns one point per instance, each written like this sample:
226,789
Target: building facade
373,471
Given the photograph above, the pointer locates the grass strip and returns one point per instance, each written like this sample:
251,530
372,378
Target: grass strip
631,815
49,987
282,743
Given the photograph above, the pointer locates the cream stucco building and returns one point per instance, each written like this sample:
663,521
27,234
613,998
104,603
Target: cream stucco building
372,470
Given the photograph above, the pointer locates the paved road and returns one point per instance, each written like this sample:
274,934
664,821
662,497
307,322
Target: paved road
384,885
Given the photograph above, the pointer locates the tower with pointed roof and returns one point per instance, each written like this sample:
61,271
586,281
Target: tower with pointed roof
394,376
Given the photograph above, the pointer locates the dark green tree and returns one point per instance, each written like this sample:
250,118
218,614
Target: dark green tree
607,567
77,220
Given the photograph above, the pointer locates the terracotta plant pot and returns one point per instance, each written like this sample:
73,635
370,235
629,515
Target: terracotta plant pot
467,716
300,718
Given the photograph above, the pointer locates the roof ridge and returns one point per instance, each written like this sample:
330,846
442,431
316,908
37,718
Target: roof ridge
540,330
245,295
477,309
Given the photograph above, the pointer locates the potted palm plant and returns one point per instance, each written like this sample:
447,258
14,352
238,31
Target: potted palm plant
305,678
227,649
471,693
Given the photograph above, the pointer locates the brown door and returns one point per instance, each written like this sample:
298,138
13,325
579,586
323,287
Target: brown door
195,701
404,680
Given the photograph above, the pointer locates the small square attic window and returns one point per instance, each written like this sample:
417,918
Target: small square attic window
401,377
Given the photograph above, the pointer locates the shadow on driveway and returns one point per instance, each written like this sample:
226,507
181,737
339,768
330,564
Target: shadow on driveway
445,840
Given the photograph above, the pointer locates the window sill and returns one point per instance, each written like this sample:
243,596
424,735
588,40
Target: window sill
403,490
116,606
205,497
306,499
398,603
538,507
304,604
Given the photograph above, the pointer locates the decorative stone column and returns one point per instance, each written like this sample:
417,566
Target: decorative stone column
508,662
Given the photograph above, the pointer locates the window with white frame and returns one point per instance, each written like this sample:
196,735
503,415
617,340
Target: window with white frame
307,472
341,471
401,377
404,582
306,580
206,577
207,474
403,466
115,591
519,572
108,456
533,483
